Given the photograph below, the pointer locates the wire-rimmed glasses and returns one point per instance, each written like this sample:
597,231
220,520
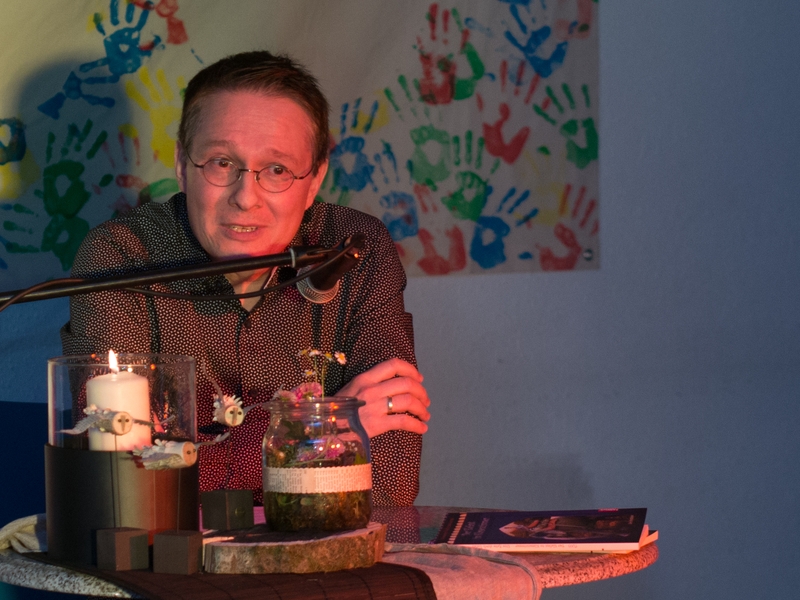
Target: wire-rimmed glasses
222,172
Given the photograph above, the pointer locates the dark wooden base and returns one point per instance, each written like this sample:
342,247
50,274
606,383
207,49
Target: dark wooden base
227,509
177,552
87,490
123,549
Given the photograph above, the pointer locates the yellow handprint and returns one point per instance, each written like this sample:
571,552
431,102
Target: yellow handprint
18,169
15,177
164,111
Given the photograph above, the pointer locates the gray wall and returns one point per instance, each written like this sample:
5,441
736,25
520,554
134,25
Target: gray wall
669,378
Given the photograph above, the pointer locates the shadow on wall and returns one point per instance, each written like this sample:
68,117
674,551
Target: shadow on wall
69,163
544,482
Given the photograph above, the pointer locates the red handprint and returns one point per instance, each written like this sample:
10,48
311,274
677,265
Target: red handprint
578,28
439,84
166,9
496,144
548,260
493,137
434,264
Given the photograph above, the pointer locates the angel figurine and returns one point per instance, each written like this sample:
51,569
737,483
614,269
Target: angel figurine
228,409
172,454
117,422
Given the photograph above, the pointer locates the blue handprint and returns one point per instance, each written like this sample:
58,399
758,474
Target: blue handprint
349,164
532,48
401,215
124,54
360,171
488,246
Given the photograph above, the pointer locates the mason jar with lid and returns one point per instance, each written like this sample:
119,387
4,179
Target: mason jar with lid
317,467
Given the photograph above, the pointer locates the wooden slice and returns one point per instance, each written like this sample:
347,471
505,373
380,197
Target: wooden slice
257,550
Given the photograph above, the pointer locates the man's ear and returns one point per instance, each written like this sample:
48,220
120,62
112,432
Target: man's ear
180,166
316,183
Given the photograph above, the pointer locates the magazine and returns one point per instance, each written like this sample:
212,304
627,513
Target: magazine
610,530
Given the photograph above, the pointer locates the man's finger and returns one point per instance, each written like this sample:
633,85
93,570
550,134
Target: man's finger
394,367
405,422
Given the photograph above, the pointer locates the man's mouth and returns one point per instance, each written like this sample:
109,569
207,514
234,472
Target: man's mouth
241,229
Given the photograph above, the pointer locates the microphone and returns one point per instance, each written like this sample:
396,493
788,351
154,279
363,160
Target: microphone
322,286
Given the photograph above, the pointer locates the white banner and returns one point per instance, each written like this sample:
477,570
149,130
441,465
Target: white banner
470,129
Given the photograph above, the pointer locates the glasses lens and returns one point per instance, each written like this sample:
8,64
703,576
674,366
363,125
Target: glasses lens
275,178
221,172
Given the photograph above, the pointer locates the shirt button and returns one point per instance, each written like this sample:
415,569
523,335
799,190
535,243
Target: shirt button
247,324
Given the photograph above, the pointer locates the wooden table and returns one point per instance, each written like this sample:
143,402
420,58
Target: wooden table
421,523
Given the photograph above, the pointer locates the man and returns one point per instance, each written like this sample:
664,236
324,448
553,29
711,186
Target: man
251,157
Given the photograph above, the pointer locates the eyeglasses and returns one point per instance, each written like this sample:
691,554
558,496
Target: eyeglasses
273,178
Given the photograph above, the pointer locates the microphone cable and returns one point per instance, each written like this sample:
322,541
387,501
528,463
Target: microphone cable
35,288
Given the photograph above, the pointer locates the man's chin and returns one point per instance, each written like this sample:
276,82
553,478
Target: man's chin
246,252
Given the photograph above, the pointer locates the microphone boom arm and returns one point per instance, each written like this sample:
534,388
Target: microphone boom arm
58,288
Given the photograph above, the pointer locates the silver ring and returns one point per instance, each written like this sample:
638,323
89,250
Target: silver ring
389,405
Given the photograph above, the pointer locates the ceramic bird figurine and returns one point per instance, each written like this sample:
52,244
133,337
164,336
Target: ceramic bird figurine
172,454
105,420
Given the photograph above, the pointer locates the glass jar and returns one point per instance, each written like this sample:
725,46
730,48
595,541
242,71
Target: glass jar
316,465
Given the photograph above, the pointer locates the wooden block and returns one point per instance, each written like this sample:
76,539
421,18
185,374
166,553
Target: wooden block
227,509
178,552
259,550
122,549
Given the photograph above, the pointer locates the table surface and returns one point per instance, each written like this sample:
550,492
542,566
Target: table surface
555,569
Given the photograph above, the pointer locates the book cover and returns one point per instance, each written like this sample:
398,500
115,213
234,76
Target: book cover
604,530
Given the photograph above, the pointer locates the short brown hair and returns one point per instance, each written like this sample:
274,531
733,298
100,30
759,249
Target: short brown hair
258,71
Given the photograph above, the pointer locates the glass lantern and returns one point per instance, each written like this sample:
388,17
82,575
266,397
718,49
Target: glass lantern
100,415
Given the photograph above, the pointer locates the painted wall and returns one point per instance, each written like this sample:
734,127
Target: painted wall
669,378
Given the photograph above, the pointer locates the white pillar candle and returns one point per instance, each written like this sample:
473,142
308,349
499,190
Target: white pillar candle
120,391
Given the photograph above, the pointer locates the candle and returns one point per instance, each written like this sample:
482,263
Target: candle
120,391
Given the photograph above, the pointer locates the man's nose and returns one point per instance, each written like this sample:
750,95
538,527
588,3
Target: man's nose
246,194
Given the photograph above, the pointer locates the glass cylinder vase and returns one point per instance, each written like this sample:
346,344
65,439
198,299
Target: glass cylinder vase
99,415
316,466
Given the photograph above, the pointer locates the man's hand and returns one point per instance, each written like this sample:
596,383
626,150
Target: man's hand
395,379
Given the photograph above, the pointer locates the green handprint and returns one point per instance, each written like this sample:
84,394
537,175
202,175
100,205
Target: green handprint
580,155
63,200
468,200
469,197
431,159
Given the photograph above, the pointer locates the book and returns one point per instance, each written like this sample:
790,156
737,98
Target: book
611,530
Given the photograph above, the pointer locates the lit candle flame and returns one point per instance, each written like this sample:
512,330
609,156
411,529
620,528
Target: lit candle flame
112,362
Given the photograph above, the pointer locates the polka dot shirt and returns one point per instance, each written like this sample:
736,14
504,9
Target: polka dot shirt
251,354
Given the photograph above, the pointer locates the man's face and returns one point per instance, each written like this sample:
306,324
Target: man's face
252,131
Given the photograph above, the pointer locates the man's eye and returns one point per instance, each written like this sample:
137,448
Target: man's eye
276,171
221,163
